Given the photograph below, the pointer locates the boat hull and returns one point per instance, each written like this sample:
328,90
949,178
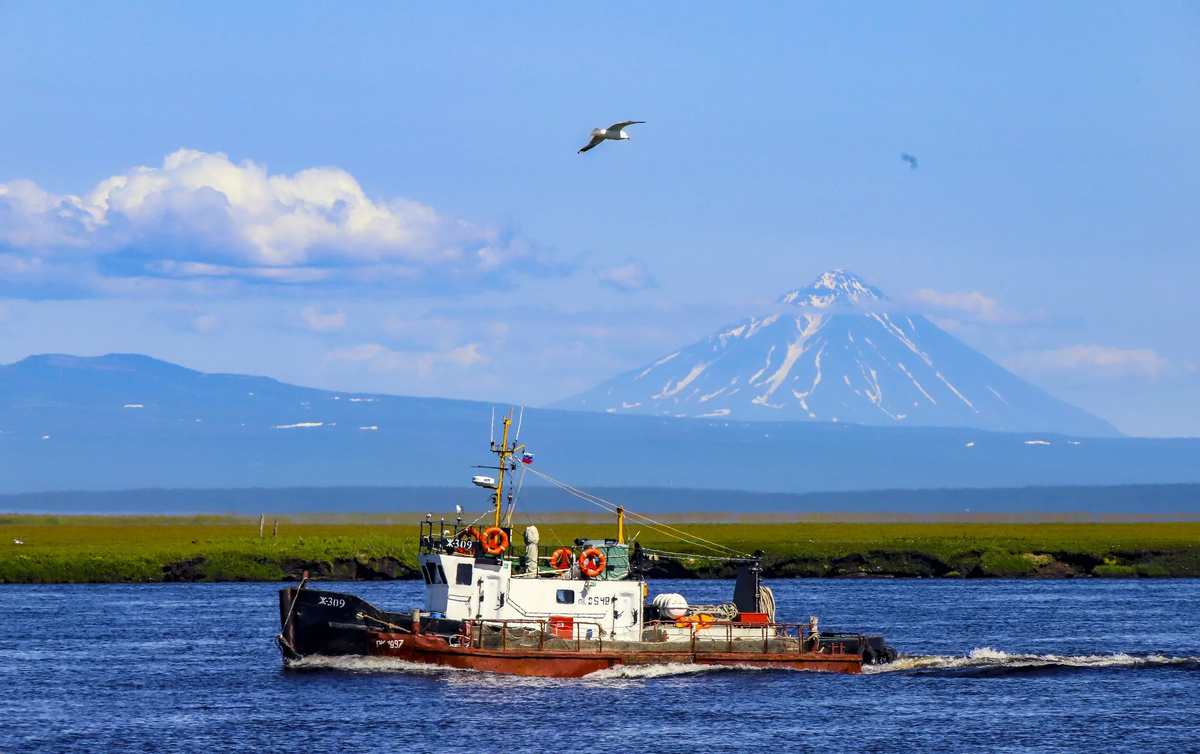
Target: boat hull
433,650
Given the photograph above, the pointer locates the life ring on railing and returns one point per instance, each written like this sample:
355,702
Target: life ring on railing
562,558
461,539
495,540
592,562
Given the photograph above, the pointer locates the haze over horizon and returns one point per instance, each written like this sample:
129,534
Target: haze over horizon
405,212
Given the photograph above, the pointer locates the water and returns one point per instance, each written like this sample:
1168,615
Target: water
990,665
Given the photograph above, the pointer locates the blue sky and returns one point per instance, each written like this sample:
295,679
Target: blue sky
389,198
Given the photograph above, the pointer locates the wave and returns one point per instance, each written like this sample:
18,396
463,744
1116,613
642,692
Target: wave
991,662
668,670
361,664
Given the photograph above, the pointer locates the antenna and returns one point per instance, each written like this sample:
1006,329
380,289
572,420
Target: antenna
492,434
519,418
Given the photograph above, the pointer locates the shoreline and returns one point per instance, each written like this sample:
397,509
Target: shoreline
215,549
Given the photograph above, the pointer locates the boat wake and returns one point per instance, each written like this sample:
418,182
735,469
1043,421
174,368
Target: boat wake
979,663
988,662
666,671
359,664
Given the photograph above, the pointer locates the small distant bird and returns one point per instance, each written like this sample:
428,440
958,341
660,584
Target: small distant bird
18,541
912,161
615,132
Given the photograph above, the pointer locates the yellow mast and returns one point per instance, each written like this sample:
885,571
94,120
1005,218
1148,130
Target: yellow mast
620,524
504,452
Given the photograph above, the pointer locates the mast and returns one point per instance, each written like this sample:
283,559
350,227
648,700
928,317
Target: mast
505,453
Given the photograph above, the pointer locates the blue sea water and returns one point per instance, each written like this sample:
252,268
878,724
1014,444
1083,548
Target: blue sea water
998,666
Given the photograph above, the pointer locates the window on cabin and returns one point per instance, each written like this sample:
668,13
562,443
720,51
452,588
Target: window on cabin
565,597
463,577
430,572
441,572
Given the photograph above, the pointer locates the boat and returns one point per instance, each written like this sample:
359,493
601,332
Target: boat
583,608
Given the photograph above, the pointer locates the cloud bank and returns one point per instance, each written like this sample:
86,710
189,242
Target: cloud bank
209,224
977,305
626,278
422,364
319,322
1101,359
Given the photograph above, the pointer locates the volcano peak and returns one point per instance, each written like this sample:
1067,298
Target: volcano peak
836,288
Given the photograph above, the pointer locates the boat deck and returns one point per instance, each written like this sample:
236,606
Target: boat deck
498,647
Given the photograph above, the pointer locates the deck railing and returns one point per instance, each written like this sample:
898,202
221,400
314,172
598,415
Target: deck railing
473,632
732,637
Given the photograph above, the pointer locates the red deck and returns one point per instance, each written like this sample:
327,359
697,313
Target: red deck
432,650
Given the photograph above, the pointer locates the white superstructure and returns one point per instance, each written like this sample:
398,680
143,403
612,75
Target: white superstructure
460,587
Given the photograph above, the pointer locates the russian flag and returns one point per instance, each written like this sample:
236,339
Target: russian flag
527,458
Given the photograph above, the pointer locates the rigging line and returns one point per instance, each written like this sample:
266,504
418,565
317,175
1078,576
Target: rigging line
715,545
512,506
602,503
598,502
481,515
702,539
528,507
688,554
660,527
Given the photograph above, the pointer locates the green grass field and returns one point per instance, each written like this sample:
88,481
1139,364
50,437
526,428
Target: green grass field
59,549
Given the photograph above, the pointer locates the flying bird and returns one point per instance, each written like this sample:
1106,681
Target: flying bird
912,161
615,132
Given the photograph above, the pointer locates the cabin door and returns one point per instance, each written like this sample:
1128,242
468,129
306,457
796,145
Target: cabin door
624,615
489,597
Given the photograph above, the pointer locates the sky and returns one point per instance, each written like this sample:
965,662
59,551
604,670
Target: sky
385,197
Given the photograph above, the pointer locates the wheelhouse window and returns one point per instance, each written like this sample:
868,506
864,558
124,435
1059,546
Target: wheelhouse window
463,577
565,597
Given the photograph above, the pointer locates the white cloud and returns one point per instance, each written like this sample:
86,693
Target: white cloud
201,216
380,359
976,304
629,277
206,322
1104,359
323,322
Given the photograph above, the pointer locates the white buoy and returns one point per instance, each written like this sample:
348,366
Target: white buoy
671,606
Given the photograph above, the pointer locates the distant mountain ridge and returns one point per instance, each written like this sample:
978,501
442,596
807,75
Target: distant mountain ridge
121,422
838,350
1162,501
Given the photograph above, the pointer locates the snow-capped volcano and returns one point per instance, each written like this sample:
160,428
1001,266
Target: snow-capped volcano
836,289
838,350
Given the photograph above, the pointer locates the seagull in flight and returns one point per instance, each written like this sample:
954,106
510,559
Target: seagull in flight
912,161
615,132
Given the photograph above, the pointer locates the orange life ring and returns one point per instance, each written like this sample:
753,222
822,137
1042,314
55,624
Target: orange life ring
562,558
495,540
462,538
592,562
